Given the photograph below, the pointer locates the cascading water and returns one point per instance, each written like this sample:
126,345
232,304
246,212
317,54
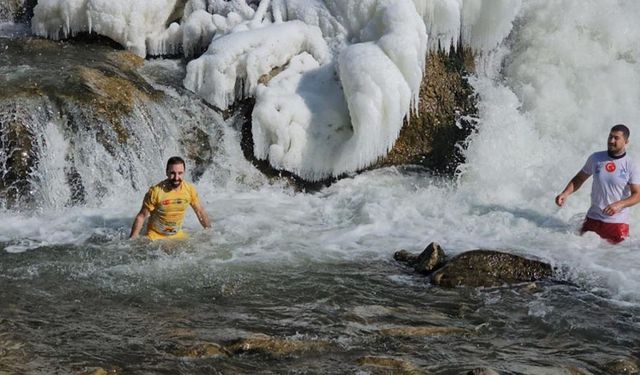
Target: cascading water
76,295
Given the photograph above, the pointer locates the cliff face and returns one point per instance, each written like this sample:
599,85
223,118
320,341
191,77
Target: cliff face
433,136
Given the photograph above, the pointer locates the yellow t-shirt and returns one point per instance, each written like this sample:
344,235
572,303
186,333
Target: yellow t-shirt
168,208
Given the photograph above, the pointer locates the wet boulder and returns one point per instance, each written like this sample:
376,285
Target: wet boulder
622,366
430,259
489,268
475,268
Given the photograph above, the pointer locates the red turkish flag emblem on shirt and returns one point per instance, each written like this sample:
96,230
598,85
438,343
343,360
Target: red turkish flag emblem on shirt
610,167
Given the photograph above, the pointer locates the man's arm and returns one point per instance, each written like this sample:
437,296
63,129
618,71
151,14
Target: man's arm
139,221
203,218
572,186
634,198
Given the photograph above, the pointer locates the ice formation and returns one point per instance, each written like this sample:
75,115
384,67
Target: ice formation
348,71
133,24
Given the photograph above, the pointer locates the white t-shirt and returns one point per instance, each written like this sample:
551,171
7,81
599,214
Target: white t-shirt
611,179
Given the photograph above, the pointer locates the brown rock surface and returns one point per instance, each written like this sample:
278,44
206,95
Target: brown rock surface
430,136
476,268
489,268
422,331
395,365
622,366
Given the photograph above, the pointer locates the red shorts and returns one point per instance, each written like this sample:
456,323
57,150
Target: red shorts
612,232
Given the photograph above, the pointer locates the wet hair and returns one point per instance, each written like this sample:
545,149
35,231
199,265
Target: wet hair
175,160
621,128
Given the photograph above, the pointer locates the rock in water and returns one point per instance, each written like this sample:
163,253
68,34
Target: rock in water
489,268
394,365
474,268
622,366
405,256
482,371
430,259
272,345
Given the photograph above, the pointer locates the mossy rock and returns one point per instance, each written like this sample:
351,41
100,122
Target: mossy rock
475,268
488,268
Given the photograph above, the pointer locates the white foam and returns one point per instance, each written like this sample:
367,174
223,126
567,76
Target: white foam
543,109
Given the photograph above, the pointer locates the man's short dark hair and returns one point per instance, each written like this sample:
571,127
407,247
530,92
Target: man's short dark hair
621,128
175,160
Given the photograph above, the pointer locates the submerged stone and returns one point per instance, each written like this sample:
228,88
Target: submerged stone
423,331
272,345
622,366
203,350
111,370
575,371
482,371
13,356
396,365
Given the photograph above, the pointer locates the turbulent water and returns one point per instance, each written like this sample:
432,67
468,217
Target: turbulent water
76,295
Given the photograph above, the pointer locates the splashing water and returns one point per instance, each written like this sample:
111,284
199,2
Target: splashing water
317,265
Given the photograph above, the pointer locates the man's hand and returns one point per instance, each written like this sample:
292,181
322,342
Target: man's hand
572,186
613,208
560,199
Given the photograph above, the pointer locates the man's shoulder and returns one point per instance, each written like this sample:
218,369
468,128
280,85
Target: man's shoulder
596,157
159,186
188,185
632,163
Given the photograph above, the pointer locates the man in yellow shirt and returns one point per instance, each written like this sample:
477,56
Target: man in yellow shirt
166,203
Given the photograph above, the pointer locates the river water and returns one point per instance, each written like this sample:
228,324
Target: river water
317,268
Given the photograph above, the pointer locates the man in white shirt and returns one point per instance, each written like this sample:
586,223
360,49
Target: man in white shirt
616,186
